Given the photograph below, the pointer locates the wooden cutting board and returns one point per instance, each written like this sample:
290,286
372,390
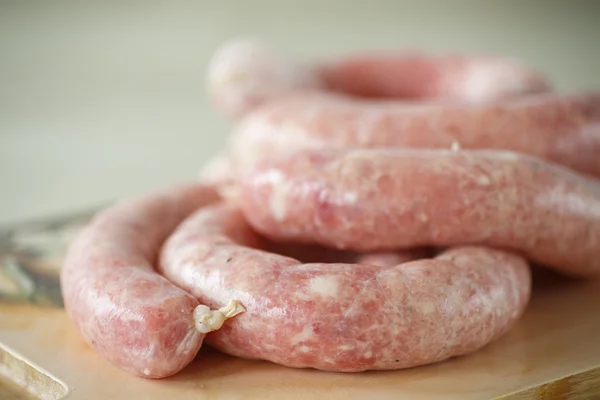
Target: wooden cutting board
553,353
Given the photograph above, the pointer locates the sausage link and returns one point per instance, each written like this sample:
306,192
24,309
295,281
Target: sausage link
418,76
124,309
246,74
562,129
368,200
344,317
399,100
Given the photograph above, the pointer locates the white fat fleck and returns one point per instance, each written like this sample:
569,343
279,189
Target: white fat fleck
509,156
146,372
270,347
349,198
423,217
483,180
277,205
306,334
476,84
368,354
277,202
426,307
455,146
478,87
304,349
302,295
326,285
357,155
345,347
272,176
569,201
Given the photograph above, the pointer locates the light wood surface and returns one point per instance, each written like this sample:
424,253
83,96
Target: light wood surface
554,353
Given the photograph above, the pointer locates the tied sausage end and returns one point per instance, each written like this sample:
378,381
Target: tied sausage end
207,320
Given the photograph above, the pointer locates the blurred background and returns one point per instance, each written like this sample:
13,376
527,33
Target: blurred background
105,99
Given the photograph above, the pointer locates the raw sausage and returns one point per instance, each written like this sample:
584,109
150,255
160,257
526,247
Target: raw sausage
562,129
124,309
129,313
402,100
377,199
425,77
344,317
245,74
393,307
